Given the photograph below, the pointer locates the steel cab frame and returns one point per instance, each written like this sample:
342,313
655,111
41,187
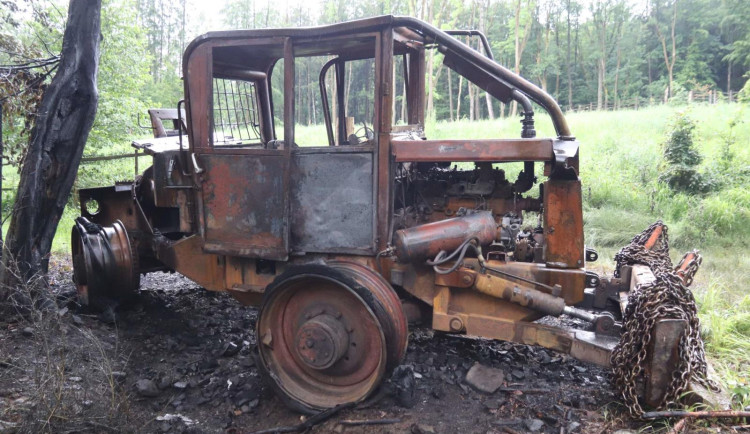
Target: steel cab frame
279,185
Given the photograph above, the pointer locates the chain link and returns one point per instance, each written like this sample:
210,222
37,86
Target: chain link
667,297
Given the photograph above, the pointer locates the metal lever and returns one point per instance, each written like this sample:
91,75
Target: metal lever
197,168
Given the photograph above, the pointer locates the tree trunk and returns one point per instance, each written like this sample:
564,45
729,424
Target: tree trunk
601,71
516,45
450,95
471,101
617,78
520,45
64,119
490,111
430,87
458,98
729,82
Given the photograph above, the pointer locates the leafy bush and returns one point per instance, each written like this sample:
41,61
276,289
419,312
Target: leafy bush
681,159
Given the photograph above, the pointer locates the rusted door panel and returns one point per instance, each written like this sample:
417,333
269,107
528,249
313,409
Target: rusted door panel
332,203
244,205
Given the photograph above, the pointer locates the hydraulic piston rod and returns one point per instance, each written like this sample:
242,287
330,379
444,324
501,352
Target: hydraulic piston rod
549,304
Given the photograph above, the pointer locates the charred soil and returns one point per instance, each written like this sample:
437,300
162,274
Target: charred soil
181,359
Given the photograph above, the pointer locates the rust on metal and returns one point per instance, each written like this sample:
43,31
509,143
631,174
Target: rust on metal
426,241
473,150
655,235
563,245
342,240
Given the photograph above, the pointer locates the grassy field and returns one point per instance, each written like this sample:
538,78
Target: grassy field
621,158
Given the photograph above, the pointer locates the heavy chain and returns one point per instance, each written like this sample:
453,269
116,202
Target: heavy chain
667,297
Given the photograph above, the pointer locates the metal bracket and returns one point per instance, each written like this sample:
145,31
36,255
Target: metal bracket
592,279
197,168
591,255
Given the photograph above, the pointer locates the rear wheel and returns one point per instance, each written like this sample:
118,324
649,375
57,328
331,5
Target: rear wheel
325,338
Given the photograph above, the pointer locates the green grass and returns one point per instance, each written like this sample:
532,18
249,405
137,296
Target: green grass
620,162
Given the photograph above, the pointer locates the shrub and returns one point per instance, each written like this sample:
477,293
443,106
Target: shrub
681,159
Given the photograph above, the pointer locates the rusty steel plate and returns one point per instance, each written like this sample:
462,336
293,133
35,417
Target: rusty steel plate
332,203
244,205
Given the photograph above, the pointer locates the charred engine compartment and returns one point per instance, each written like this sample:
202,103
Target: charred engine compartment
432,192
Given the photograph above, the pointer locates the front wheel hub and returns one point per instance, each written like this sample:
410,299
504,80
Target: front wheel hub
322,341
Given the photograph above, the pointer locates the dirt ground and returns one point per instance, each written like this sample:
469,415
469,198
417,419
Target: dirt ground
180,359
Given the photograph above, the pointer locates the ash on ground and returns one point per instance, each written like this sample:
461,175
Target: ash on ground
182,359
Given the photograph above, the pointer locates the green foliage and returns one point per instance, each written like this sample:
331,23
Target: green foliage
681,159
123,73
34,40
744,93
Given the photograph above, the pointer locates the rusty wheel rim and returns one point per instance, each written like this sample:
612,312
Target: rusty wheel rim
395,328
104,263
81,265
320,341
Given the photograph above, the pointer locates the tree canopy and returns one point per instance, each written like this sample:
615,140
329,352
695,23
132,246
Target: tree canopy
597,53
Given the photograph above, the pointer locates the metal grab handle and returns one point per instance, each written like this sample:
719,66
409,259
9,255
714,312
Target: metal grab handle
197,168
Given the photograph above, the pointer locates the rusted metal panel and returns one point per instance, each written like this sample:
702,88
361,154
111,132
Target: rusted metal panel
244,205
187,257
332,202
197,95
496,150
113,204
563,224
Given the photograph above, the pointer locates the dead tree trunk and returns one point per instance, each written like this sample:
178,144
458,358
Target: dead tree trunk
64,119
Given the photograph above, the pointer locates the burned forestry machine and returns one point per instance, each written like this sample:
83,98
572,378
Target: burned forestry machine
343,237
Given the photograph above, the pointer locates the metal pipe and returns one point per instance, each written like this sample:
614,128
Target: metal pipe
482,37
501,287
580,313
426,241
324,97
503,74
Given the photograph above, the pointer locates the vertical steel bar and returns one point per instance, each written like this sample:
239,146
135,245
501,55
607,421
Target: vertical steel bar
241,93
288,93
340,85
384,113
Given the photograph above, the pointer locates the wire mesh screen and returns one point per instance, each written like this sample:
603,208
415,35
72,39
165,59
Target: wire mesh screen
235,113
